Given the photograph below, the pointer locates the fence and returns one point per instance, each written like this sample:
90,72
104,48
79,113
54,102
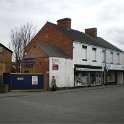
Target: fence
24,81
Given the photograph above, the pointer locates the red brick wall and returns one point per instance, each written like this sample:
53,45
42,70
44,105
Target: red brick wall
49,34
5,61
42,66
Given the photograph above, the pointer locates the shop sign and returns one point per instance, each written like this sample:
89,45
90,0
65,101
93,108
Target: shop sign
88,69
114,67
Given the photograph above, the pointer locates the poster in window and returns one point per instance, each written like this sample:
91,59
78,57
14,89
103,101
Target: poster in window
34,80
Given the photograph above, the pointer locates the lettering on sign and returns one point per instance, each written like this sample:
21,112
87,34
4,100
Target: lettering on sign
20,78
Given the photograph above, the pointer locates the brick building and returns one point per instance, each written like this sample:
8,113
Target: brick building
56,44
49,37
5,59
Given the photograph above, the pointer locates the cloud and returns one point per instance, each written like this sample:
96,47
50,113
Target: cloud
106,15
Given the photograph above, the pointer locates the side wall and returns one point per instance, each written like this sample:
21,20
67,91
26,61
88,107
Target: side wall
122,58
5,61
49,34
64,73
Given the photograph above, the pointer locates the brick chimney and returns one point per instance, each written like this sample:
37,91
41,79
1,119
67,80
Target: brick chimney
92,32
64,23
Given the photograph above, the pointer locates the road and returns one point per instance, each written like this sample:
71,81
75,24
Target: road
84,105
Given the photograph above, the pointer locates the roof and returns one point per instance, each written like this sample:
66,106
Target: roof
5,47
51,51
78,36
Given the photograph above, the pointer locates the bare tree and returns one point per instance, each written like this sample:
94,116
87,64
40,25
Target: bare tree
20,37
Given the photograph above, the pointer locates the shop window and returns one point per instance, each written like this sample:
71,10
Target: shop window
84,50
94,54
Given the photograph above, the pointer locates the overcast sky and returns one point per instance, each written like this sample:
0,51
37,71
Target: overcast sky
106,15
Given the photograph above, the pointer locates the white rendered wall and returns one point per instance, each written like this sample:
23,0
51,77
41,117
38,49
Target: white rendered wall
64,75
122,58
78,55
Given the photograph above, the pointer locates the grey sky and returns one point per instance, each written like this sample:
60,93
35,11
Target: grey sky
106,15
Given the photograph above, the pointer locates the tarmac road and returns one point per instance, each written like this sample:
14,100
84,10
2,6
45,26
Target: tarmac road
84,105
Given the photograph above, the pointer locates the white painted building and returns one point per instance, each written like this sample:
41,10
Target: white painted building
95,62
63,71
92,60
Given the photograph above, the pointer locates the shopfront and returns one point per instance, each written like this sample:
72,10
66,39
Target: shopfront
88,75
114,74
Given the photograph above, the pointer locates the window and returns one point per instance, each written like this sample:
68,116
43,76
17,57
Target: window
118,58
1,49
103,56
84,52
111,57
94,54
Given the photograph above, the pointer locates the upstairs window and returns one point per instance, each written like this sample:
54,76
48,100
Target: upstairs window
111,57
94,54
103,56
84,52
118,58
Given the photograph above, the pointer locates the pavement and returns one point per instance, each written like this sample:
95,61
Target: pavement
95,105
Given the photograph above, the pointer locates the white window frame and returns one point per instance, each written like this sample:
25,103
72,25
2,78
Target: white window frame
94,50
118,58
103,55
84,47
111,57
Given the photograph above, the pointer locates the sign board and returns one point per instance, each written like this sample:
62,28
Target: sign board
34,80
88,69
114,67
55,67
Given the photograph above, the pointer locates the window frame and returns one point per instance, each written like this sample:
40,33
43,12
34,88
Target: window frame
118,58
111,56
84,47
94,49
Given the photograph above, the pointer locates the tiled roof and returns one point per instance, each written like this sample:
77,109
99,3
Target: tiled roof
5,47
51,51
78,36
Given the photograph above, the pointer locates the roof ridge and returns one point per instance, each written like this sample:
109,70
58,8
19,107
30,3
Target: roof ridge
5,47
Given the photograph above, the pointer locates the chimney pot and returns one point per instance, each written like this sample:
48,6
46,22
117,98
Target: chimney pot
64,23
92,32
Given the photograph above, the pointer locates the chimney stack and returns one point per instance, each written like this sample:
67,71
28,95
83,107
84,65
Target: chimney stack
64,23
91,32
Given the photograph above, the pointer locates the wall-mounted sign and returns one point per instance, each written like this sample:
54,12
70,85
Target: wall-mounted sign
114,67
34,80
55,67
20,78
